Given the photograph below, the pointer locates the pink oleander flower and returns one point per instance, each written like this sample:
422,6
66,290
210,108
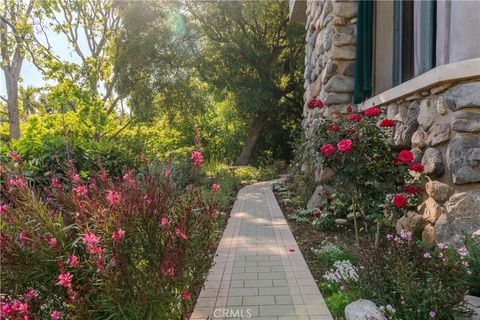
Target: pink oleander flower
168,172
113,198
31,294
113,262
463,251
80,191
65,280
164,222
185,295
73,261
18,183
215,187
77,179
55,183
345,145
52,242
6,309
327,149
432,314
3,208
55,315
90,239
181,234
15,156
147,199
130,180
117,235
24,237
169,271
197,158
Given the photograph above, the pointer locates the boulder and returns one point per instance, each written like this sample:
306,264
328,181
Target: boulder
330,70
342,53
339,84
466,122
341,221
418,139
344,36
463,159
318,195
438,133
345,10
462,217
327,38
362,309
411,123
349,69
417,154
337,98
351,216
428,234
465,95
412,222
427,115
431,210
439,191
433,161
323,175
441,109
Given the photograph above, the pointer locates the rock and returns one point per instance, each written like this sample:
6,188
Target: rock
439,88
320,193
392,110
337,98
441,109
411,123
428,235
431,210
344,36
342,53
351,215
463,159
345,10
337,21
427,115
465,95
466,122
401,118
415,96
437,190
412,222
417,154
327,38
418,139
349,69
362,309
339,84
330,70
438,133
327,8
433,162
462,217
341,221
323,175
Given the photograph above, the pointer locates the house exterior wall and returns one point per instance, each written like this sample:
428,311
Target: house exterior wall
440,124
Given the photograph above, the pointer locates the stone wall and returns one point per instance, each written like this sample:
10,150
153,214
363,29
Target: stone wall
441,125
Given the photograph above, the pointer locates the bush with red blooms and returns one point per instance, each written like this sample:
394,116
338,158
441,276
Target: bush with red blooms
315,103
97,248
355,146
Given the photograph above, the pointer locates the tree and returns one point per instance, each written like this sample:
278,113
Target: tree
14,30
251,49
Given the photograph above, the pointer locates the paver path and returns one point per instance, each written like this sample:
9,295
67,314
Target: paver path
259,271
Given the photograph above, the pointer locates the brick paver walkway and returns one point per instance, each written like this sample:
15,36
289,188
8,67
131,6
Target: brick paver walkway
259,271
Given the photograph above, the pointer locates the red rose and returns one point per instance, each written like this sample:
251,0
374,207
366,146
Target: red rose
355,117
387,123
345,145
333,127
349,109
412,190
399,200
405,156
318,214
349,130
371,112
315,103
418,167
327,149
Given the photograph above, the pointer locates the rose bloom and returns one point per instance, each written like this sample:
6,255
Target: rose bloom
345,145
197,158
400,200
315,103
215,187
354,117
185,295
385,123
349,109
405,156
371,112
333,127
412,190
415,166
327,149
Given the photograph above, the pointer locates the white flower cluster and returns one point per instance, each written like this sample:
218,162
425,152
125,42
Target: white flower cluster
342,271
327,248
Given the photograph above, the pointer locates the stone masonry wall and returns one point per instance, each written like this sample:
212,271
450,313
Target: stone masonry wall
440,125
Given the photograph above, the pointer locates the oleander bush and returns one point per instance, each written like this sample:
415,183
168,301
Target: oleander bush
100,247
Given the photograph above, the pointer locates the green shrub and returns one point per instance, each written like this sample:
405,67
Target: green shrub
473,259
327,253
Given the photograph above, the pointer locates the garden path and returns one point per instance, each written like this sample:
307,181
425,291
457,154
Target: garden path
259,271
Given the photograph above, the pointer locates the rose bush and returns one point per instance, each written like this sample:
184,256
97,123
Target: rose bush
94,247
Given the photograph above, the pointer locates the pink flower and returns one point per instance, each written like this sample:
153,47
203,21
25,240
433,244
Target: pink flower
168,172
3,208
6,309
427,255
80,191
117,235
215,187
147,199
24,237
22,307
113,262
354,117
113,198
185,295
399,200
52,242
197,158
77,179
31,294
18,183
15,156
385,123
90,239
164,222
327,149
73,261
371,112
441,246
463,251
169,271
315,103
65,280
55,315
181,234
412,190
56,183
432,314
345,145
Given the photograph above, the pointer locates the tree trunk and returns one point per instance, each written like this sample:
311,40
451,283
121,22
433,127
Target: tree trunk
253,134
12,104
